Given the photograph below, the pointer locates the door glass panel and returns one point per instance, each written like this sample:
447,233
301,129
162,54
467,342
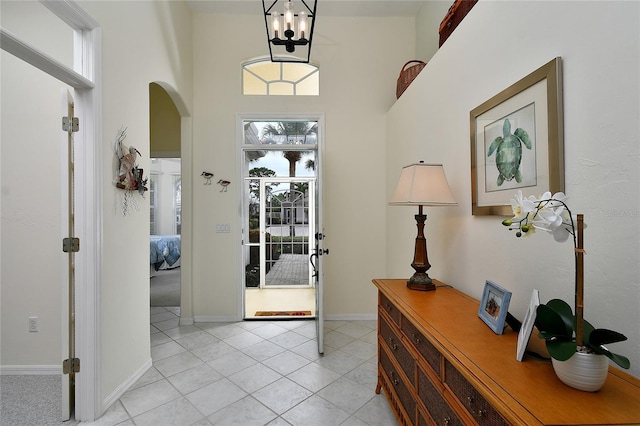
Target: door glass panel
266,133
288,224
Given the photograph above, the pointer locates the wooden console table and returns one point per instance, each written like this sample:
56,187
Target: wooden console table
438,363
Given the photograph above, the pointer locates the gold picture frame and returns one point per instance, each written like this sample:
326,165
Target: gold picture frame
517,142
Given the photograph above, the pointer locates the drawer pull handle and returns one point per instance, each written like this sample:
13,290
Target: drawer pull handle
394,346
482,413
416,338
470,404
389,307
394,379
447,420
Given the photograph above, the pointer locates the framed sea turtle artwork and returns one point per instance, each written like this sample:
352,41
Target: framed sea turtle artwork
517,142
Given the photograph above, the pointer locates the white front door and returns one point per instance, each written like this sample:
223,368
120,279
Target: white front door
281,163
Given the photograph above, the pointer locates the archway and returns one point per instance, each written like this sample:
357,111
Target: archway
170,142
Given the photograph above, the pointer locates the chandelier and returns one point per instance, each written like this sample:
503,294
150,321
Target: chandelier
289,29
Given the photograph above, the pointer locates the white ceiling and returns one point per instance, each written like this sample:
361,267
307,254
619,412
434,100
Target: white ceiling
325,7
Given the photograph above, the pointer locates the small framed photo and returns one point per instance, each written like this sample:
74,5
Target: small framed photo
527,325
494,306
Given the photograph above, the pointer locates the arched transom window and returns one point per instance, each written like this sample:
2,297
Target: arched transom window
263,77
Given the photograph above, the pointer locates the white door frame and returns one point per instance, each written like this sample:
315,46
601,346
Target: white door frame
241,200
85,78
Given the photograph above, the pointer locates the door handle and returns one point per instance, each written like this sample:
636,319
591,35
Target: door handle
313,265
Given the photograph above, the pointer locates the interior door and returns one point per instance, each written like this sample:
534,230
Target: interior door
287,226
68,229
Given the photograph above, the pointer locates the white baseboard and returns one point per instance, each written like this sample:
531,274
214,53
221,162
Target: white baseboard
351,317
336,317
120,390
30,370
186,320
215,318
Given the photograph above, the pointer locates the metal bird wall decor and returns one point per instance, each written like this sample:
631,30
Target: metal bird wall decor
207,177
224,184
129,175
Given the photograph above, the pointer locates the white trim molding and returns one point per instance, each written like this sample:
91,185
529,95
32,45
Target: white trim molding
30,370
117,393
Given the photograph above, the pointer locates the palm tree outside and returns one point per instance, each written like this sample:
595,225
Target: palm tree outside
293,133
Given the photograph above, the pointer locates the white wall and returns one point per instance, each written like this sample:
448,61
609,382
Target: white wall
599,46
32,152
427,27
359,65
143,42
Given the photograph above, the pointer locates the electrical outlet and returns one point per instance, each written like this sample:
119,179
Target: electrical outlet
34,327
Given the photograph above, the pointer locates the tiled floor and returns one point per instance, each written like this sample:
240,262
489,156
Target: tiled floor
255,373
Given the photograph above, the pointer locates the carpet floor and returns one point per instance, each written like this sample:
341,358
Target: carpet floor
165,288
31,400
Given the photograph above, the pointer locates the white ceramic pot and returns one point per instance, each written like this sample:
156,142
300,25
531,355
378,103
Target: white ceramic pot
586,372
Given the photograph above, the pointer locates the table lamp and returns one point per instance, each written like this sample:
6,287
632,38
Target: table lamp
422,185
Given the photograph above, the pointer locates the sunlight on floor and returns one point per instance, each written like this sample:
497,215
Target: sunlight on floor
279,299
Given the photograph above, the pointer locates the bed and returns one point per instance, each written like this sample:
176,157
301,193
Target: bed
164,251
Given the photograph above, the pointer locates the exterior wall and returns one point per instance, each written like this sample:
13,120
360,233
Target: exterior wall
601,118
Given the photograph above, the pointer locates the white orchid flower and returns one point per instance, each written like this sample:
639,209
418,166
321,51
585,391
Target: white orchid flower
521,206
548,213
549,218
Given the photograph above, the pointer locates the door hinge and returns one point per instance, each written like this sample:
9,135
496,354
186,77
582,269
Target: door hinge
71,366
70,124
71,244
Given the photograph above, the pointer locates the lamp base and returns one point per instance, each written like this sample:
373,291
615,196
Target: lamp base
421,281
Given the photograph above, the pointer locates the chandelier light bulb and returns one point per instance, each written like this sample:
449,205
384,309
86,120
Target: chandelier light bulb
302,25
275,24
288,16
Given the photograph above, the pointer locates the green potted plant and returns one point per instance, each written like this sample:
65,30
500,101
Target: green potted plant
578,351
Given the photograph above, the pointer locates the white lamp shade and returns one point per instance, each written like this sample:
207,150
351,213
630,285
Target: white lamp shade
423,184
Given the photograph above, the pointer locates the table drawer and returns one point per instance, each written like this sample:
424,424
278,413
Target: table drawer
401,389
422,421
398,349
475,404
390,309
438,408
422,345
